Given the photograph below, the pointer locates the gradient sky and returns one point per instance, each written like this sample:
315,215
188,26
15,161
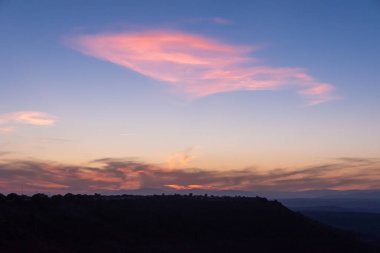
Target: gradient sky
262,86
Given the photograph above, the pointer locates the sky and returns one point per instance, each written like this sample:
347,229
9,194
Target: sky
273,95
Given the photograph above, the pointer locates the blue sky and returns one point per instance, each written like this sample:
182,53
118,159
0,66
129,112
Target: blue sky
101,108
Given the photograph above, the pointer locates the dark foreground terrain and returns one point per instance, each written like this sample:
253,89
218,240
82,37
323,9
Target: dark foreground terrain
94,223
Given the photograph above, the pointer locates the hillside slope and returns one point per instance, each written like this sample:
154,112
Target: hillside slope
78,223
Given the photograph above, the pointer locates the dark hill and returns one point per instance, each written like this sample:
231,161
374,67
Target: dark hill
79,223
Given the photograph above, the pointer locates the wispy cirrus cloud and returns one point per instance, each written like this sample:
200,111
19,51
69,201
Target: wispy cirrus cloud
221,21
209,20
197,65
117,174
8,120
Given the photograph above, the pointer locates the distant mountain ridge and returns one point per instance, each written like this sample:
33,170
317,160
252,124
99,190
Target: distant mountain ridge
367,194
331,200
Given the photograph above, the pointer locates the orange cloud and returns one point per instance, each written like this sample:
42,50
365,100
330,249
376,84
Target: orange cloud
196,65
181,159
187,187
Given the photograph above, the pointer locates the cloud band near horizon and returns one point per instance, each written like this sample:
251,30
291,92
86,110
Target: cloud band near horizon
110,174
196,65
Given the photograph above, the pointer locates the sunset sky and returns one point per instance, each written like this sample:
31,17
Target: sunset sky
270,95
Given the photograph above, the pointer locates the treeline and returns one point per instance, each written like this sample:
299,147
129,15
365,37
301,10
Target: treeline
97,196
162,223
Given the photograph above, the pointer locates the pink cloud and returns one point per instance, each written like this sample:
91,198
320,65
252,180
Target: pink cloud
25,117
119,174
198,66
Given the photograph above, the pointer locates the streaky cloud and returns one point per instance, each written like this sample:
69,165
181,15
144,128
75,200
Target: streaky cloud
196,65
9,120
28,117
109,174
221,21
